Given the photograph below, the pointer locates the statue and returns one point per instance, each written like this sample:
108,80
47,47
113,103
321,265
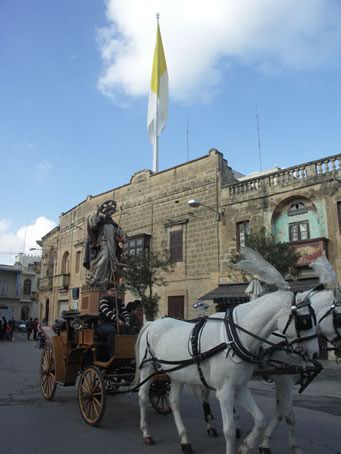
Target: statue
104,247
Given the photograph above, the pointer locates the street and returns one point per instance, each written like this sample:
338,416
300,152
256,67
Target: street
31,425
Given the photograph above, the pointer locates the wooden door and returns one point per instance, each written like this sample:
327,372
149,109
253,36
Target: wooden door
176,307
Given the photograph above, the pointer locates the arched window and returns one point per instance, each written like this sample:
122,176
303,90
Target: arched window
65,263
27,287
297,207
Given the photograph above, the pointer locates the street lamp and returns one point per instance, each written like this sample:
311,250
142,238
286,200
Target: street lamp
35,249
193,203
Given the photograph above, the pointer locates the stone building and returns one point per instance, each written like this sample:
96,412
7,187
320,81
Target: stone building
9,291
301,204
30,268
19,287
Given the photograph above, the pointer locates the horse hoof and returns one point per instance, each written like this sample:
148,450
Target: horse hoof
186,448
148,441
264,450
238,434
212,432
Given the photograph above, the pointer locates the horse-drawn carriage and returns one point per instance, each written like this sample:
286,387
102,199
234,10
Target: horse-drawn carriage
219,352
76,350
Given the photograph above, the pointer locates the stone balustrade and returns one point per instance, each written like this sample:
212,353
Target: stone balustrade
45,283
286,177
61,281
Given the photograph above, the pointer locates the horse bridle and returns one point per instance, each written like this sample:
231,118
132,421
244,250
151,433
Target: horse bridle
302,322
336,342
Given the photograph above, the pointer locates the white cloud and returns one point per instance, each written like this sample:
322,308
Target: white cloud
42,171
24,238
200,37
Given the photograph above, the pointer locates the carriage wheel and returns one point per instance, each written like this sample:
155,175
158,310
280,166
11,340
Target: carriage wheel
159,396
92,396
47,373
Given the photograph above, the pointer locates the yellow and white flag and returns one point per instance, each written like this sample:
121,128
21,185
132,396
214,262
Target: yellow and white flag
158,97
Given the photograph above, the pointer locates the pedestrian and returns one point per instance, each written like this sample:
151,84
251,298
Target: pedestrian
35,329
29,328
8,334
12,322
3,331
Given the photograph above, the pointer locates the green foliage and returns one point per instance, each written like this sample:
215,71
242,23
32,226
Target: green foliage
142,274
282,256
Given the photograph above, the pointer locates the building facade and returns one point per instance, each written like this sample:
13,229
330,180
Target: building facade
19,287
301,205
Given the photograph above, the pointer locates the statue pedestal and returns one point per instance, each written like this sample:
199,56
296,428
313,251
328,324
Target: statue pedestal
90,300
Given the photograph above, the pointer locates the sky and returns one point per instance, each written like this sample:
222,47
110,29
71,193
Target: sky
74,86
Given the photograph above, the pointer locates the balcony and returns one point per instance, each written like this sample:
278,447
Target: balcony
45,284
330,166
309,250
61,281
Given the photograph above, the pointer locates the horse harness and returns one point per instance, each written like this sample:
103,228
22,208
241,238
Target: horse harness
336,323
302,323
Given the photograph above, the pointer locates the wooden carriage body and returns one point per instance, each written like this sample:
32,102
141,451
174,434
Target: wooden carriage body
76,352
75,349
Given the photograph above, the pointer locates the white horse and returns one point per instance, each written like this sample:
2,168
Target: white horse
227,373
323,303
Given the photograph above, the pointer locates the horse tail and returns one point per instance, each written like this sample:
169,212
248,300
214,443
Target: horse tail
136,380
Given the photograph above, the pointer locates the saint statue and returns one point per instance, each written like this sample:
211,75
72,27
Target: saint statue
104,254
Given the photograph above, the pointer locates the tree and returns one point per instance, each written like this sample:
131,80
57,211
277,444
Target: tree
142,274
282,256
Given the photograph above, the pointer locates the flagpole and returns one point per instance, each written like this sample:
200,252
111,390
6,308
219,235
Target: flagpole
156,138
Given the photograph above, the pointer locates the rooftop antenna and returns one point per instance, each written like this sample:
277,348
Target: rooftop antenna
187,139
259,146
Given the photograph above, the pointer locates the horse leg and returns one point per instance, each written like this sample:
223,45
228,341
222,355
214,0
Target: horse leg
246,399
210,426
144,401
225,395
236,421
284,410
174,400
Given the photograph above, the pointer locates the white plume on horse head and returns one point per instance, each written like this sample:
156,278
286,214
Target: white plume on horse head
325,271
256,265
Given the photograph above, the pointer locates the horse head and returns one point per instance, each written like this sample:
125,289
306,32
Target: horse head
329,319
300,328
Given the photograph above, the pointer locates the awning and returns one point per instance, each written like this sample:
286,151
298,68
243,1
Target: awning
228,294
235,293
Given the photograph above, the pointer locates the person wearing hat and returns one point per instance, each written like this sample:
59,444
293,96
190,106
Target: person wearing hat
104,247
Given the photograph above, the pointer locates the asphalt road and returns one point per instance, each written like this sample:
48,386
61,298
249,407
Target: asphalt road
31,425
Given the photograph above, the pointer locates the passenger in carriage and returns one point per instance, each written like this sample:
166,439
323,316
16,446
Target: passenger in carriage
113,317
136,314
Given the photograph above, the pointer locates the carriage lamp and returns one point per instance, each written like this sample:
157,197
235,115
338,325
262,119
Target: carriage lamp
193,203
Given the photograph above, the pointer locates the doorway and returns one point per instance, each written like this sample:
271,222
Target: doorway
176,306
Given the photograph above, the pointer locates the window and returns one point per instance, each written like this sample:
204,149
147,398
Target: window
176,307
243,228
297,207
299,231
27,287
175,246
3,288
138,244
65,263
25,313
78,261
